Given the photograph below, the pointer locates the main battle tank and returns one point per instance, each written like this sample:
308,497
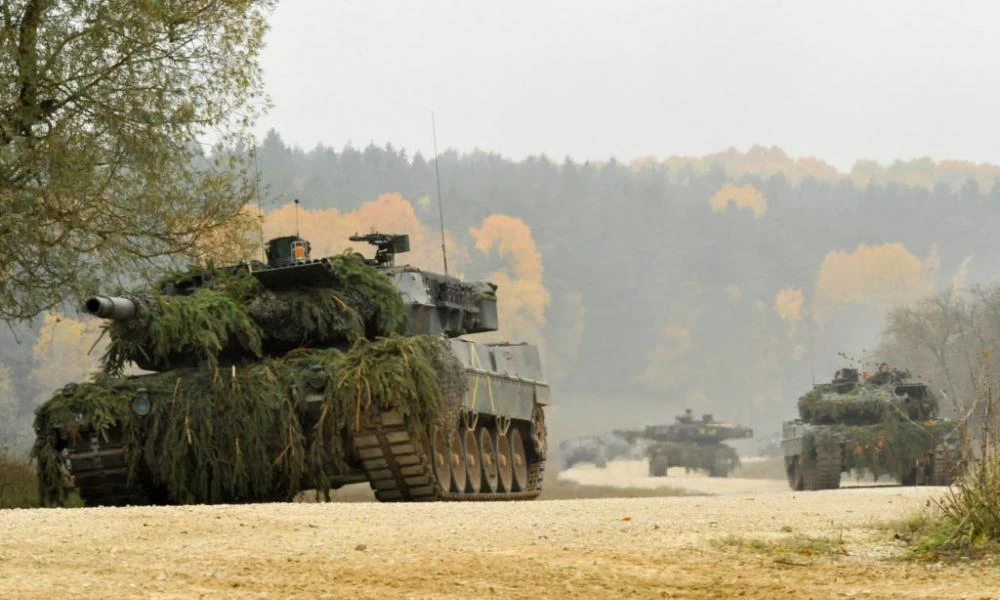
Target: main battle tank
887,424
692,444
267,379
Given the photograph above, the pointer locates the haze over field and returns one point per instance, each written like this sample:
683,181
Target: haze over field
744,195
838,80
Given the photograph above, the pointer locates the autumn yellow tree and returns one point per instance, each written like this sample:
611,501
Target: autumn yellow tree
103,105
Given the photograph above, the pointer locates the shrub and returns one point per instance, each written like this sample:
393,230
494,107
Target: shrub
18,483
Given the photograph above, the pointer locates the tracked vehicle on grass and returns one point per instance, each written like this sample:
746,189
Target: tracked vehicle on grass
887,424
267,379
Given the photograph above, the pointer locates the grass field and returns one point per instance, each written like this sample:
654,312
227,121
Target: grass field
18,483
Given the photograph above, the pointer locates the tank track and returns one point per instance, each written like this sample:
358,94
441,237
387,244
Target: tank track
825,473
945,464
399,470
100,472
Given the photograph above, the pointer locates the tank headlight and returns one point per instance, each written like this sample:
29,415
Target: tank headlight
141,404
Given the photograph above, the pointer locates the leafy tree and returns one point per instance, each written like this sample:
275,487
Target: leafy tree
102,105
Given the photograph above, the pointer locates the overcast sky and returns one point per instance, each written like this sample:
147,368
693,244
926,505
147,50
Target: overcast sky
595,78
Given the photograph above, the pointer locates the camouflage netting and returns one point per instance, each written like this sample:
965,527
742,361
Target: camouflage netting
862,405
235,316
893,447
238,434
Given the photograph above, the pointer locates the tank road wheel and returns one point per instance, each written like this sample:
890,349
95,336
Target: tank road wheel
518,460
793,469
441,457
505,470
456,462
488,454
473,463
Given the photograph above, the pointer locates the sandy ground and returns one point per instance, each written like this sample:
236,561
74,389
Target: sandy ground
635,474
672,547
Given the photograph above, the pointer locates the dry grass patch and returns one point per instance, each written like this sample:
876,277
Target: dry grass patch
18,483
787,548
558,489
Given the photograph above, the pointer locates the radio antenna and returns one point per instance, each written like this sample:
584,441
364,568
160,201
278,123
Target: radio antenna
260,203
437,178
296,217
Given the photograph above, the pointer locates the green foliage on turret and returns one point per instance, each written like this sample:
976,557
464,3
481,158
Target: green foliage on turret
866,404
233,315
200,325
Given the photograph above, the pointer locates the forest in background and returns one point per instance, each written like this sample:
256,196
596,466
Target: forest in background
726,283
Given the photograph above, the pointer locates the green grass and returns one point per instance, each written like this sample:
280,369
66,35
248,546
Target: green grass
964,523
18,484
789,547
930,536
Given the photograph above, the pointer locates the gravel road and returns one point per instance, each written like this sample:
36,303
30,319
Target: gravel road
672,547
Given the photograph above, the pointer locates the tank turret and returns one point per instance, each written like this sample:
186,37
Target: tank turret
267,378
434,303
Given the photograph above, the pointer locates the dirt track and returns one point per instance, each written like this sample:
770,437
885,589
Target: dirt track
642,548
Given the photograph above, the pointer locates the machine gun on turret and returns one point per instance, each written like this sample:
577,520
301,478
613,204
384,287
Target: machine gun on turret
387,246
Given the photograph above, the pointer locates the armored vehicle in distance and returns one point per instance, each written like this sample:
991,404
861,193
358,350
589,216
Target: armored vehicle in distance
887,424
692,444
597,450
267,379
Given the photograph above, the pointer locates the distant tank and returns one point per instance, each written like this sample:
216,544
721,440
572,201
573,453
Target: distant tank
692,444
886,424
597,450
268,379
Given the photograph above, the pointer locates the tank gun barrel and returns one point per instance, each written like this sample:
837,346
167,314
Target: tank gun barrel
697,432
629,435
115,308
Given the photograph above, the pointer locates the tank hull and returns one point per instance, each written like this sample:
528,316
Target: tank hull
716,459
913,453
490,443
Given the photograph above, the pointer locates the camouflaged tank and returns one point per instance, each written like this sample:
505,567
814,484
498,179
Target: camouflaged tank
692,444
887,424
266,379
